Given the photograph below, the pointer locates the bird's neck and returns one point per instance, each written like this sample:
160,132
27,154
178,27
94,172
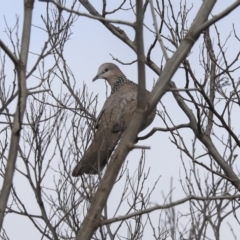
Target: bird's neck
120,81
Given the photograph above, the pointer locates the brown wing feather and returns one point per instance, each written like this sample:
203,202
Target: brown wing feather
115,117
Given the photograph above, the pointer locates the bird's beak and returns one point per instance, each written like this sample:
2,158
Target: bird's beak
95,78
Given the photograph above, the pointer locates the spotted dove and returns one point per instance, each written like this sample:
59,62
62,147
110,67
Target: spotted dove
113,119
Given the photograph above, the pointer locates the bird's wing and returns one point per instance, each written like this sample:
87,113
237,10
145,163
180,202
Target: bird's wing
115,116
112,121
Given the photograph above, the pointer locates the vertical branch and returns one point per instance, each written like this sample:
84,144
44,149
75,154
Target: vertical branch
21,105
140,56
213,61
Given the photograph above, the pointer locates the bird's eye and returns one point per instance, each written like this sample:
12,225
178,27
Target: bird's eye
105,70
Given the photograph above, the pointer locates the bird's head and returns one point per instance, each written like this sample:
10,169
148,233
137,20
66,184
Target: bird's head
109,72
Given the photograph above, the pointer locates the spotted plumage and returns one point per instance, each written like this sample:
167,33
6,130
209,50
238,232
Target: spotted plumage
120,81
113,120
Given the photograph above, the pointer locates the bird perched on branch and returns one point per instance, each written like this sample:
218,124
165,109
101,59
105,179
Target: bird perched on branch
113,120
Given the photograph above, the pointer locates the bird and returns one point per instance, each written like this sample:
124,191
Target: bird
114,118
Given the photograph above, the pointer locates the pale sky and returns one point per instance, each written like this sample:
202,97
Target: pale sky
89,46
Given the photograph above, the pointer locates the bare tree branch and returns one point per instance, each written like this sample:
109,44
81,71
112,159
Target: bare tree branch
206,140
90,16
59,124
163,130
157,31
216,18
140,57
170,205
20,109
9,53
91,222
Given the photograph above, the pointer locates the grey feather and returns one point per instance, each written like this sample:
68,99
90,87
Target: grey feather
113,120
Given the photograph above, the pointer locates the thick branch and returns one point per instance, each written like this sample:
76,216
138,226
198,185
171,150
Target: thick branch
21,105
216,18
140,57
8,52
212,66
